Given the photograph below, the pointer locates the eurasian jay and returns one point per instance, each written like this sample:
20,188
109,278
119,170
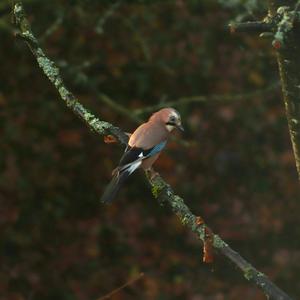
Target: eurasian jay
143,149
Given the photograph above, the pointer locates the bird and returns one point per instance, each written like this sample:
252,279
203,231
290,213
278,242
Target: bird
144,147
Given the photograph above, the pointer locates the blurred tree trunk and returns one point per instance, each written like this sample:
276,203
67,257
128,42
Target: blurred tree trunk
288,58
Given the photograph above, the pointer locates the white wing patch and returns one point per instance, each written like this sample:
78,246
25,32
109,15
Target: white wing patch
133,166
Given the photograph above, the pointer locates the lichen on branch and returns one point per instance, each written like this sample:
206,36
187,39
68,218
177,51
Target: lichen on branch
52,72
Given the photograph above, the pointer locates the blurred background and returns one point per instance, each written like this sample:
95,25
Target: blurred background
233,166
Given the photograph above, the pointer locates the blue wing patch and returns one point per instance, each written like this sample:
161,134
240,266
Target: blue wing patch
156,149
134,154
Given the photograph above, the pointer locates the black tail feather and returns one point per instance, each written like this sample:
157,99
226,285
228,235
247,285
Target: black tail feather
114,186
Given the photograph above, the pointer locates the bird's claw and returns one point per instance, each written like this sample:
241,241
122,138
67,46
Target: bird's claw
151,174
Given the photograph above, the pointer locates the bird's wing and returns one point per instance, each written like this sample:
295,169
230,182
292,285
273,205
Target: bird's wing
133,156
154,150
130,161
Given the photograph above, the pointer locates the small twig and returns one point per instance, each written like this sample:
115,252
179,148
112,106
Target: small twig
103,19
128,283
119,108
57,22
209,99
250,27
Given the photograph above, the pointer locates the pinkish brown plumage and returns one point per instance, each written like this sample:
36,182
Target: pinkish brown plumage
144,147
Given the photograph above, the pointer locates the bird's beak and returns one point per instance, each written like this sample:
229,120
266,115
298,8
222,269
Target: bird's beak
180,127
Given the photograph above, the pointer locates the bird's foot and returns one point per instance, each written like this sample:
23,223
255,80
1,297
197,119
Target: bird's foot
151,174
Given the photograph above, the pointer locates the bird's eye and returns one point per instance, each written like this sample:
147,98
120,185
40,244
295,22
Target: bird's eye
172,119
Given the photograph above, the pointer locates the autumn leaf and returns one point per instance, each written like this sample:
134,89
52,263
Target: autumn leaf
208,256
109,139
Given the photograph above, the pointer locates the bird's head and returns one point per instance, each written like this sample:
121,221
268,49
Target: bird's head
168,117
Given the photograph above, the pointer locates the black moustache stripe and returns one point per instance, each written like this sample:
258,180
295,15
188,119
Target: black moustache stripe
171,123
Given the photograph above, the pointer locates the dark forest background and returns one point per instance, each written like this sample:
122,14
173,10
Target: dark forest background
234,165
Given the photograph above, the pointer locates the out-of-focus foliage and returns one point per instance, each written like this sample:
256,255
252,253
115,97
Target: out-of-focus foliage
57,240
246,4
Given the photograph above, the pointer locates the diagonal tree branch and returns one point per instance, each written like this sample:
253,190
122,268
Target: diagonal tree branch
160,189
53,74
